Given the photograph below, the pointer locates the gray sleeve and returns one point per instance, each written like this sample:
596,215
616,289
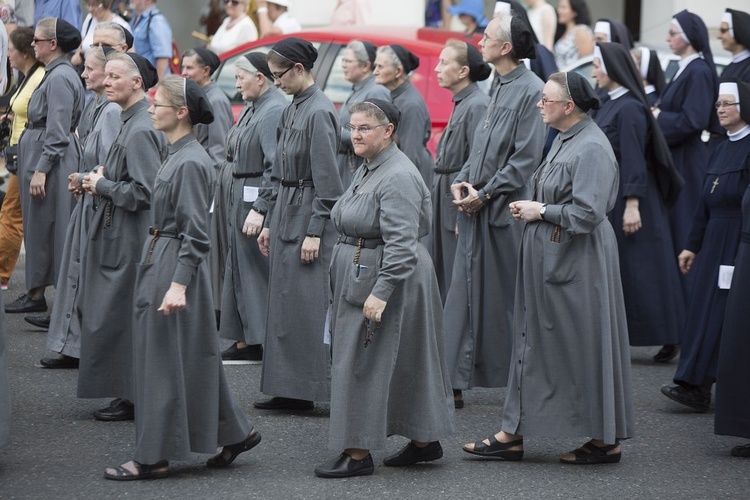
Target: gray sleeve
527,150
190,198
109,125
400,203
218,130
324,143
593,175
275,176
411,131
144,156
61,95
266,131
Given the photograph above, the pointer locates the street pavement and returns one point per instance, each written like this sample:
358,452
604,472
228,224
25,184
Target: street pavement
58,451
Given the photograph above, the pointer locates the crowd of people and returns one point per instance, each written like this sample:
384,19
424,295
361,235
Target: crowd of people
558,225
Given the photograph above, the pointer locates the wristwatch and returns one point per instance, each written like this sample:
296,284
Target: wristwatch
543,211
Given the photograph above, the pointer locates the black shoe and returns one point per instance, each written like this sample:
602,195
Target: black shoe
284,404
60,361
117,411
412,454
228,453
742,450
691,397
251,355
25,304
667,353
346,466
40,321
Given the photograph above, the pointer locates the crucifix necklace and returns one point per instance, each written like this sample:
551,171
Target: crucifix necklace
715,183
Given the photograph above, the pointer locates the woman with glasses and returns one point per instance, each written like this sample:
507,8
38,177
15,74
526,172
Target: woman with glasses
236,29
251,151
683,113
98,129
182,397
100,11
298,234
389,374
48,152
650,277
570,370
712,243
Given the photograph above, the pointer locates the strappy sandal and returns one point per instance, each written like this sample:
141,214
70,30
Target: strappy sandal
496,449
589,454
250,442
158,470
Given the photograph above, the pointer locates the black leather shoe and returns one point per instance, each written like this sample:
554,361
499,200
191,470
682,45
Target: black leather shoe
284,404
412,454
346,466
25,304
692,398
119,410
249,355
60,361
667,353
40,321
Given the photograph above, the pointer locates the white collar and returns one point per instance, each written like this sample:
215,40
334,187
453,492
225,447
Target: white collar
618,92
740,134
649,89
741,56
682,64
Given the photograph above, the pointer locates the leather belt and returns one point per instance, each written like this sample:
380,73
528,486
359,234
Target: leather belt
361,242
158,233
299,183
247,175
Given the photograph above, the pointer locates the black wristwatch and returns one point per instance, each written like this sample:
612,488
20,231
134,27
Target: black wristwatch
543,211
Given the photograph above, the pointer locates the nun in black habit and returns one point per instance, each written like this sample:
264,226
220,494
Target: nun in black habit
734,33
683,113
650,277
652,75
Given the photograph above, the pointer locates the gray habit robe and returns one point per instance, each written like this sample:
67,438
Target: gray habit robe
99,127
119,226
506,150
399,384
182,400
348,161
49,145
453,150
414,129
296,363
4,386
213,137
570,371
251,145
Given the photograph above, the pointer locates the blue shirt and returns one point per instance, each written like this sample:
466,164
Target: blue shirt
152,40
69,10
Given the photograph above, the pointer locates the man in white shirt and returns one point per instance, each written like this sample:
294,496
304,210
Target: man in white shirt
274,18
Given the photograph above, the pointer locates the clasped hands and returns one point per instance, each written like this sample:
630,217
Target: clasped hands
89,181
526,210
466,198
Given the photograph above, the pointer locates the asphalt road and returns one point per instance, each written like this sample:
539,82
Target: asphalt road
59,451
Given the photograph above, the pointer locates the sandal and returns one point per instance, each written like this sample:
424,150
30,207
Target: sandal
219,460
589,454
496,449
158,470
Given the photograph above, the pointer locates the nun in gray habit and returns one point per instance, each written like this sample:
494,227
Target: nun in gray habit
570,373
48,152
389,374
183,403
119,226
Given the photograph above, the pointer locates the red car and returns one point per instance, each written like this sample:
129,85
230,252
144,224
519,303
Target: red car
331,42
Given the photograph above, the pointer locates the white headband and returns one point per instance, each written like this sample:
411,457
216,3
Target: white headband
598,53
604,27
645,61
726,17
502,8
679,28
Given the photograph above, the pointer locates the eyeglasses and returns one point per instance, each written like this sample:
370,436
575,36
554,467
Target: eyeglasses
279,76
157,105
40,40
545,101
485,38
364,130
723,30
233,2
724,104
674,33
101,44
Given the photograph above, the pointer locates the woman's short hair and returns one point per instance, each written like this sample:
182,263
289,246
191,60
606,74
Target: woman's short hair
277,59
391,56
173,90
47,27
133,71
121,38
359,51
97,56
21,38
462,53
